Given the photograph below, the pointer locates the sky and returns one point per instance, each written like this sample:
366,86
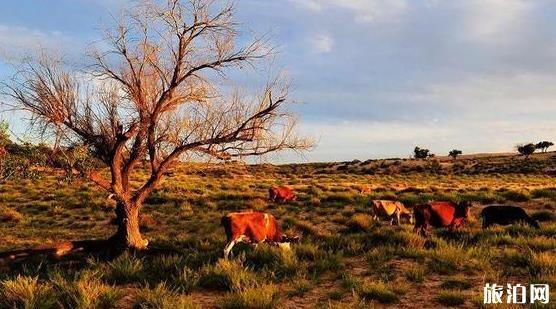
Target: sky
371,78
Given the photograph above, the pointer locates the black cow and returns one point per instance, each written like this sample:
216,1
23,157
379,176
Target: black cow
506,215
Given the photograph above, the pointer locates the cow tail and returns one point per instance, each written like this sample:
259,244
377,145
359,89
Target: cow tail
225,221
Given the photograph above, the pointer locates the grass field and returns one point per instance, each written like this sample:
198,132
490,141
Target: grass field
344,259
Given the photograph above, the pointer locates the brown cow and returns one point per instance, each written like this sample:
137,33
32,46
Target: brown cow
253,228
390,210
440,214
281,194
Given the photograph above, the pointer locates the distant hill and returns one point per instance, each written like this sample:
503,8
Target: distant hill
502,163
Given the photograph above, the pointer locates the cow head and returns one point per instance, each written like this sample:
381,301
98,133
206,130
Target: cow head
289,239
464,209
407,216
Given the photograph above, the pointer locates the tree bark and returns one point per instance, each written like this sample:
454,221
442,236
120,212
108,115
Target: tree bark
128,234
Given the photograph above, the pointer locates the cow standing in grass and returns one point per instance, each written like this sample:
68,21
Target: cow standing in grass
440,214
253,228
390,210
506,215
281,194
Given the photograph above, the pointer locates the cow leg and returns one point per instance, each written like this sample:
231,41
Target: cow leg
228,249
398,217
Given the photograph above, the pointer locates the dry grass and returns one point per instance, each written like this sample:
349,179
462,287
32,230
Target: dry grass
344,260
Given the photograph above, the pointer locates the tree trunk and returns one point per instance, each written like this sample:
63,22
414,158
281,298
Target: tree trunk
128,234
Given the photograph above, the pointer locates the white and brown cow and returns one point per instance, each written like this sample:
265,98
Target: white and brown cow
253,228
390,210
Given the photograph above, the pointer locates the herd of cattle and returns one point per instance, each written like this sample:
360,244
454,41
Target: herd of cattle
256,227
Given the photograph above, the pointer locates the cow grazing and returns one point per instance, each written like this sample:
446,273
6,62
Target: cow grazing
253,228
365,190
390,210
506,215
281,194
440,214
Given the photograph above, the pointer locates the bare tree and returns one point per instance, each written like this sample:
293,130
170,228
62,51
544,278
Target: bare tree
156,95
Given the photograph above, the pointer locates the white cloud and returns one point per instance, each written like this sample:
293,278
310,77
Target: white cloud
374,10
364,10
490,21
312,5
18,41
322,43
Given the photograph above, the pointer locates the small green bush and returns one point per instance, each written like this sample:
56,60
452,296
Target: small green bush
26,292
162,298
256,296
124,269
450,299
456,283
377,291
227,275
415,274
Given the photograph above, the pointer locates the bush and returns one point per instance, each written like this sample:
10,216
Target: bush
227,275
26,292
377,291
450,299
515,196
256,296
124,269
10,215
360,223
447,259
544,215
184,280
162,298
544,193
85,292
456,283
415,274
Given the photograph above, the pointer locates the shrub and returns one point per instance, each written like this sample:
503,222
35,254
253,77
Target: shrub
377,291
10,215
456,283
544,193
256,296
450,299
281,262
526,150
543,263
162,298
447,259
455,153
300,286
329,261
184,280
360,223
124,269
226,275
544,215
85,292
308,251
26,292
421,153
415,274
515,196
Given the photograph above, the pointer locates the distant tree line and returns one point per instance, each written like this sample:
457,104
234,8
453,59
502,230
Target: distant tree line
530,148
23,159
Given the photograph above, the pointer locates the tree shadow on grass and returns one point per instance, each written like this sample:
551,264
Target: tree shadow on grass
70,255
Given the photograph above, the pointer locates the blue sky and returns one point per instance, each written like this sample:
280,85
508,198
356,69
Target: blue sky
374,78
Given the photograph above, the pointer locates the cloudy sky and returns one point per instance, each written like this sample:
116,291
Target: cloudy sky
373,78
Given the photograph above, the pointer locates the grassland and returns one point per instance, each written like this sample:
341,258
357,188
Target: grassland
344,260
